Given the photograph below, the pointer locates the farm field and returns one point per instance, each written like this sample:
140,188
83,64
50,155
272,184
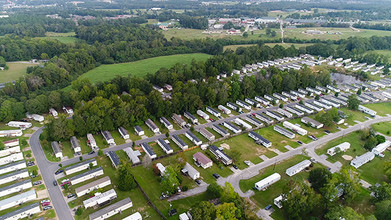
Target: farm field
66,38
140,68
16,70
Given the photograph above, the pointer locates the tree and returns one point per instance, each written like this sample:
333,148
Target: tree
91,165
319,177
353,102
381,192
370,143
281,105
387,169
6,112
170,181
350,184
214,190
203,211
336,94
383,209
339,212
125,177
228,193
1,145
359,92
380,139
79,211
2,62
317,97
226,211
245,34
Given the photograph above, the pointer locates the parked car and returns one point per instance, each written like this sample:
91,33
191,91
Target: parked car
215,175
92,152
47,208
268,207
59,171
299,142
327,131
36,183
70,195
198,182
55,183
45,200
30,163
235,167
45,203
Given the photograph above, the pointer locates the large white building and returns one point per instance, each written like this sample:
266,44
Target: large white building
342,147
165,147
148,150
284,112
208,135
75,144
86,176
191,171
312,122
297,168
56,149
304,108
243,105
240,122
18,199
264,118
294,111
294,128
111,210
213,111
11,158
380,148
220,130
97,184
151,125
274,115
193,138
91,142
361,160
232,127
100,198
80,166
268,181
224,109
134,216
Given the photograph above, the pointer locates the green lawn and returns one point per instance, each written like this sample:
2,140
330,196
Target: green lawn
14,71
141,67
353,116
373,172
381,108
66,38
236,46
383,127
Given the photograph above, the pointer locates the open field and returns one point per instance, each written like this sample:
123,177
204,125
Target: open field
381,108
15,71
383,127
285,45
235,47
66,38
141,67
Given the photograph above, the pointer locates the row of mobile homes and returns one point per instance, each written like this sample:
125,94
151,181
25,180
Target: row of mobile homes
91,142
264,118
253,121
165,147
97,184
299,94
306,92
11,158
201,160
9,150
367,110
322,89
213,111
166,123
294,111
268,181
113,158
380,148
232,127
284,112
284,132
332,88
22,213
317,92
111,210
224,109
294,128
11,143
338,100
259,139
311,105
304,109
148,150
339,148
193,138
220,155
151,125
75,144
203,114
191,171
16,187
322,104
86,176
13,167
280,97
242,123
20,124
361,160
243,105
298,167
17,200
139,131
108,138
274,115
208,135
36,117
20,174
179,120
234,107
330,102
124,133
289,95
252,102
311,122
220,130
262,100
191,117
100,199
132,154
178,141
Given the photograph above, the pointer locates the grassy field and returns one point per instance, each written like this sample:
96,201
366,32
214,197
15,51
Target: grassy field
381,108
15,71
66,38
235,47
383,127
141,67
330,33
386,53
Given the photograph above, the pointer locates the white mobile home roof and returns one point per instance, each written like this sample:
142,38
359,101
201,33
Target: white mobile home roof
294,128
381,147
20,198
148,149
111,210
133,155
13,166
101,198
94,185
267,181
17,187
297,168
363,159
22,213
342,147
79,166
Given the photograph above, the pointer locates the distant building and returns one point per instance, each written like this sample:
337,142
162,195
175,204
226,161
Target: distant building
139,131
123,132
268,181
75,145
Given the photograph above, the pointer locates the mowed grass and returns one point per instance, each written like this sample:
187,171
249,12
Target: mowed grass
140,68
66,38
14,71
382,109
286,45
236,46
383,127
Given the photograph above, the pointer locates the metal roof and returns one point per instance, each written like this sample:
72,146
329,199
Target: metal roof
19,211
79,164
148,149
85,173
179,140
110,208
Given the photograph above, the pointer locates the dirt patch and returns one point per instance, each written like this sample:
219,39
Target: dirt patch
347,157
284,141
225,146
